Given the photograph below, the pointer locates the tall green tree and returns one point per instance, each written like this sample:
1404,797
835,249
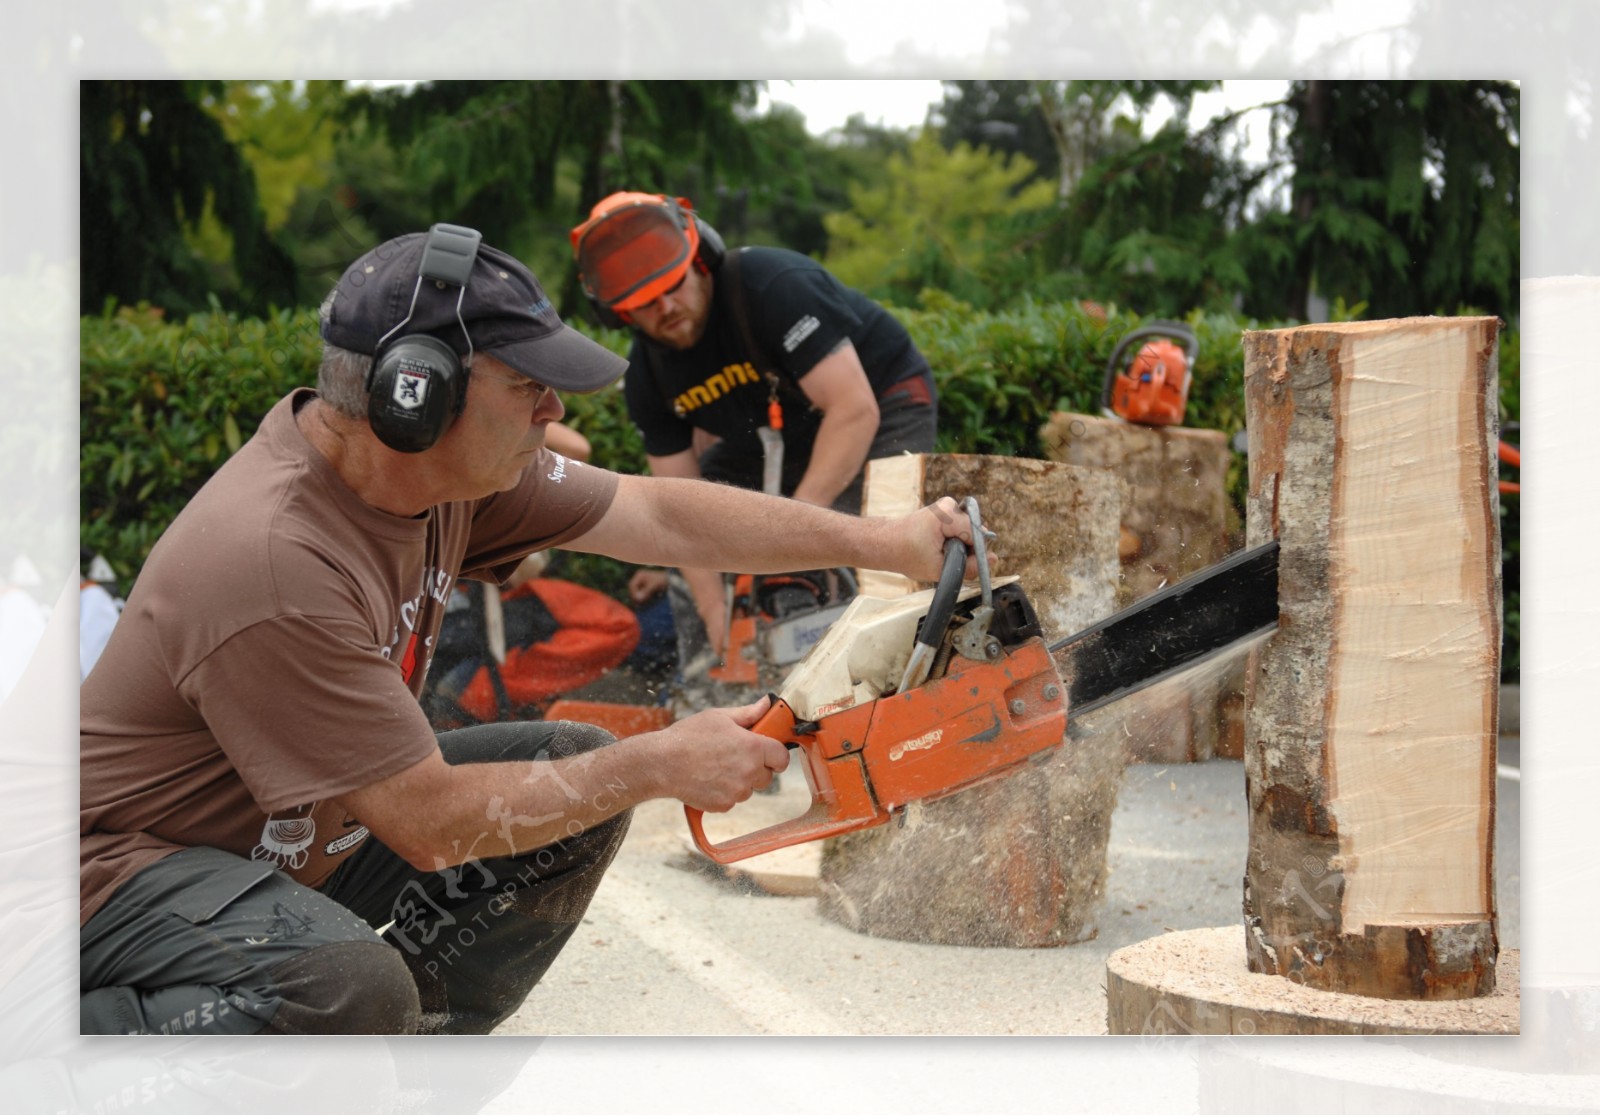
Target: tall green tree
153,161
523,160
942,219
1003,116
1153,227
1405,195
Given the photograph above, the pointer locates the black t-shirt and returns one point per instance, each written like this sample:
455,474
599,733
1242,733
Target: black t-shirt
798,313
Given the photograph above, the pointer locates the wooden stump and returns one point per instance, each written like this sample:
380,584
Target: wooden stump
1370,747
1174,523
1056,526
1196,982
1020,861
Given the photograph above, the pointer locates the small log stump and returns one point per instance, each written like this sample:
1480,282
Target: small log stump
1196,982
1175,523
1020,861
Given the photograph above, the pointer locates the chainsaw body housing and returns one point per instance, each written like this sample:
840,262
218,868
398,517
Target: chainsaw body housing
866,756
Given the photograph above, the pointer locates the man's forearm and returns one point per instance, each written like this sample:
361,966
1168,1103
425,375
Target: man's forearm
843,441
707,588
436,815
664,521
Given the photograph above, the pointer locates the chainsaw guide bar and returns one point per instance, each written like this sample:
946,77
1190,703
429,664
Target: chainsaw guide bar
1224,605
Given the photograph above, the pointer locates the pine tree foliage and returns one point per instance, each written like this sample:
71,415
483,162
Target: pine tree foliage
152,163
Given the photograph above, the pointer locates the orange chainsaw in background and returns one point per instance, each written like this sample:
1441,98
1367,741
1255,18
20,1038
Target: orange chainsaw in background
917,697
1153,388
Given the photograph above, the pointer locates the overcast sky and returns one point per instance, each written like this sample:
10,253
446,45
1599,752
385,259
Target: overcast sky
904,104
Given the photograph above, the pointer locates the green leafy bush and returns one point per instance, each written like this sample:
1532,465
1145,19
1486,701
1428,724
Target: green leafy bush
164,404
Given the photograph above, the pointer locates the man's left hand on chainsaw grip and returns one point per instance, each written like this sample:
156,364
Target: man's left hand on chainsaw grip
952,522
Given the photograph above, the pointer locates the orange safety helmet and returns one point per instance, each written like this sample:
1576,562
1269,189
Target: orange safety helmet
636,247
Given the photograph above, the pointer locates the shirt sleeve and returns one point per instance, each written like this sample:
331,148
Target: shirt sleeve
801,315
558,500
306,709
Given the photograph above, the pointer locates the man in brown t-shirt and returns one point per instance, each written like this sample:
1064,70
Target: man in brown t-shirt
273,839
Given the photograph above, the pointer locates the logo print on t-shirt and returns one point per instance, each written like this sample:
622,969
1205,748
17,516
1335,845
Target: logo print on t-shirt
798,332
714,388
284,841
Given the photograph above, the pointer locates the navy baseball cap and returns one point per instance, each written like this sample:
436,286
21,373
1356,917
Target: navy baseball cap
506,312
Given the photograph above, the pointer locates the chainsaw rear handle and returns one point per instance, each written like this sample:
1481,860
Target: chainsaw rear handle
1173,331
834,809
943,605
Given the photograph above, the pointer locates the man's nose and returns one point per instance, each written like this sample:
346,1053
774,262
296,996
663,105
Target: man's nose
550,408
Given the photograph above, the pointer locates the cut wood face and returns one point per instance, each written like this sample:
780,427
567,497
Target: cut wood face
1415,659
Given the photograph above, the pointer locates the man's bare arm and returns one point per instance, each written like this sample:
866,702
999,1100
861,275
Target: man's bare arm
436,815
665,521
838,387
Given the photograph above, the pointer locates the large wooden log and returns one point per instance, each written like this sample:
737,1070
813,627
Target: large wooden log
1020,861
1175,522
1370,741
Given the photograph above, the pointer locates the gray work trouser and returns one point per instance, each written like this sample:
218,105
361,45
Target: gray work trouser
204,941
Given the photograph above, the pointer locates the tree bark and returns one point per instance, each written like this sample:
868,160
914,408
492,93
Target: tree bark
1371,718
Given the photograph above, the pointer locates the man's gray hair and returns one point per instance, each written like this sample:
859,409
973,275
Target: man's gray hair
342,375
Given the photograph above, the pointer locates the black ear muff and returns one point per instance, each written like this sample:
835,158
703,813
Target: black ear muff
608,317
712,251
418,385
415,390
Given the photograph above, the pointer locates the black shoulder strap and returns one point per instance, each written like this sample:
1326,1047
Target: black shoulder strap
729,273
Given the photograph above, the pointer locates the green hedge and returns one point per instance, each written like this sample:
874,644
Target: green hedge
163,404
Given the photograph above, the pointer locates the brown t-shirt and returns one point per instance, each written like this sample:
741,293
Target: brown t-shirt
269,658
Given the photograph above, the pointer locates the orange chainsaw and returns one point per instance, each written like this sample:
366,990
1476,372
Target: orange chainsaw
1153,390
912,699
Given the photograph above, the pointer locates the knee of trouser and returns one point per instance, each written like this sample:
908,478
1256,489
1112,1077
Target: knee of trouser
346,988
574,737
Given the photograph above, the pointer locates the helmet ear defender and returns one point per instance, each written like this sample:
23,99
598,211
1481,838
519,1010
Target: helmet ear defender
708,256
418,385
712,251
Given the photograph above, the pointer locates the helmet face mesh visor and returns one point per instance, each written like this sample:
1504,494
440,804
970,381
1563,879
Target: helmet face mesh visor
634,255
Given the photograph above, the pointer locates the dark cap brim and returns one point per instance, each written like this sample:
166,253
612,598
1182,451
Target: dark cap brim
565,360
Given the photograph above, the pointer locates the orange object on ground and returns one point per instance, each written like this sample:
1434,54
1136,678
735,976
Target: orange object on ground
594,634
618,720
1154,389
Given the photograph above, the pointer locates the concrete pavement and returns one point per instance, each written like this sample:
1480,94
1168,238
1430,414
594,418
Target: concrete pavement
665,950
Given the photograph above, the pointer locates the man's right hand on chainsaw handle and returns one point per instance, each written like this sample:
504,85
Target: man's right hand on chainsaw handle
713,762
